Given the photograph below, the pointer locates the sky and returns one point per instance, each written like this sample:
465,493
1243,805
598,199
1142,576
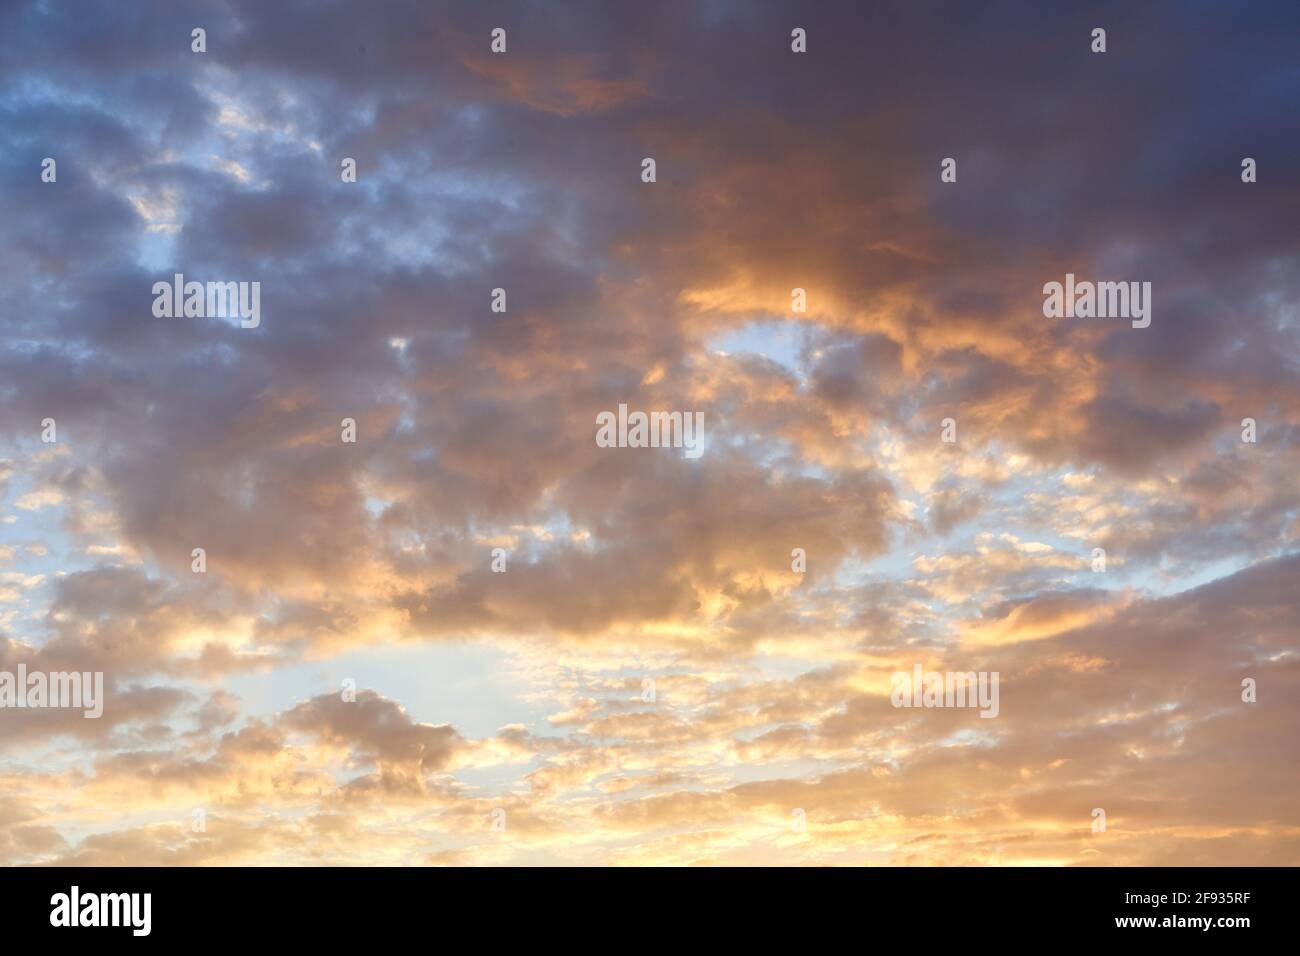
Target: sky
477,636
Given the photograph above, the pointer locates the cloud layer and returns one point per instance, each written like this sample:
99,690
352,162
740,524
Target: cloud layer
650,680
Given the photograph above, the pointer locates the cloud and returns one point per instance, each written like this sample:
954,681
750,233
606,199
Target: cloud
524,691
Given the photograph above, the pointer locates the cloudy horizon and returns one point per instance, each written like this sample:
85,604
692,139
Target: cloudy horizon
367,583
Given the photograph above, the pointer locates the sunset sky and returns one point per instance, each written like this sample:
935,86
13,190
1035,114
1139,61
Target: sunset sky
649,681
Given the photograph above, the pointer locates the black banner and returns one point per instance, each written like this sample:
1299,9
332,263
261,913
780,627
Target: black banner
1218,905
